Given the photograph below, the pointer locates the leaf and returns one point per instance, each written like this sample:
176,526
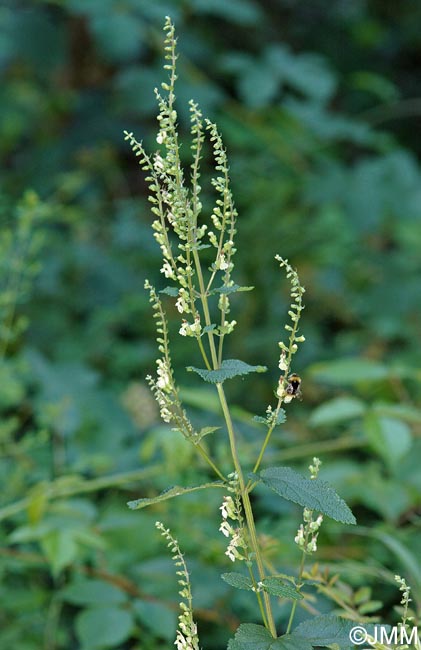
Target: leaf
277,587
256,637
339,409
327,629
311,493
232,289
238,580
229,368
170,493
103,627
93,592
389,437
208,328
404,555
161,619
60,548
291,642
205,431
170,291
349,371
280,418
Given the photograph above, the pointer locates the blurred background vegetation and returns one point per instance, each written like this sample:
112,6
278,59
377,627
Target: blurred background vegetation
319,106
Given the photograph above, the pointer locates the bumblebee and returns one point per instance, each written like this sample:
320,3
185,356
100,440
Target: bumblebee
293,386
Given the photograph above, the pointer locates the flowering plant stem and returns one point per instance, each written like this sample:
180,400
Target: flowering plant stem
266,611
251,526
181,236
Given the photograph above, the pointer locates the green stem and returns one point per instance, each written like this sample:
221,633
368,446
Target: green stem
268,618
247,508
259,598
250,484
294,604
210,462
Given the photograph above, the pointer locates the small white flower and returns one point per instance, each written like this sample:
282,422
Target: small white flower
222,263
161,137
283,362
184,328
180,304
225,529
167,270
158,163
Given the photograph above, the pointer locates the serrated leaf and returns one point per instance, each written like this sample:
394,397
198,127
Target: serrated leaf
327,629
170,493
238,580
233,289
280,418
170,291
256,637
291,642
311,493
229,368
277,587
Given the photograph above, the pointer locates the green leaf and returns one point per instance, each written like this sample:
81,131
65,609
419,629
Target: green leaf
277,587
205,431
238,580
232,289
327,630
349,371
229,368
404,412
93,592
170,291
339,409
157,617
208,328
404,555
280,418
170,493
60,548
256,637
291,642
103,627
389,437
311,493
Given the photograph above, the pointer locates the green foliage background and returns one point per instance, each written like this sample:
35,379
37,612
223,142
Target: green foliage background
318,106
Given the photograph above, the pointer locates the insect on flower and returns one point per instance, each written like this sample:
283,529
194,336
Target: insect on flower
293,386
